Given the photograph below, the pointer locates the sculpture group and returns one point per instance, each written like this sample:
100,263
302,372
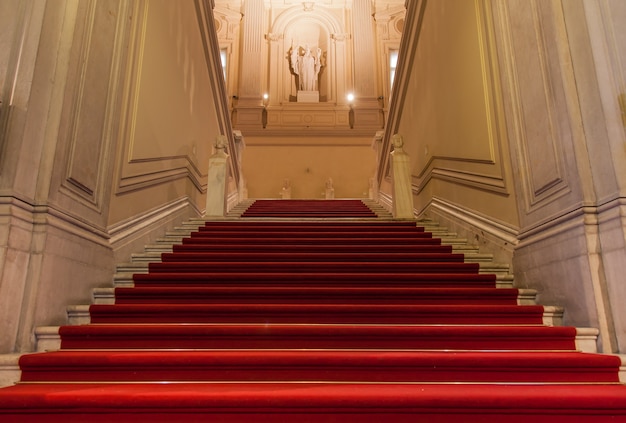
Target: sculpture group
306,66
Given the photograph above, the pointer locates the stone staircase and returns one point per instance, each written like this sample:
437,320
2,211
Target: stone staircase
47,338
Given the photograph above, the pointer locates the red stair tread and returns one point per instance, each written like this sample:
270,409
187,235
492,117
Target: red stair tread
310,240
362,366
174,294
286,256
318,247
310,402
319,278
315,313
314,233
243,226
338,267
281,336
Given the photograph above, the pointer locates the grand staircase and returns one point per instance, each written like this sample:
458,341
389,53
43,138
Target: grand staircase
315,311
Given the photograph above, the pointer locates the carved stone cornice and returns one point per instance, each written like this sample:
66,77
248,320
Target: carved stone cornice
340,37
274,37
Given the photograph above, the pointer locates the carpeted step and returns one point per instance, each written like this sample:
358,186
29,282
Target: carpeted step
293,256
319,295
314,402
340,267
317,279
287,294
301,234
320,366
347,214
353,226
332,336
309,248
308,208
316,313
330,240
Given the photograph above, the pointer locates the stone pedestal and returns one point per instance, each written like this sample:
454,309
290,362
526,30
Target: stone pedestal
401,181
308,97
217,182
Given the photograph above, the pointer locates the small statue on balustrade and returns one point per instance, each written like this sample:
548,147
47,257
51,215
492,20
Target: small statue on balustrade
285,192
330,190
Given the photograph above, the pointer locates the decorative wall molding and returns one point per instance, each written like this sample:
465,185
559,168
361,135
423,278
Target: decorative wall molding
227,23
314,117
502,231
130,227
90,110
47,215
150,178
573,219
490,183
540,121
320,15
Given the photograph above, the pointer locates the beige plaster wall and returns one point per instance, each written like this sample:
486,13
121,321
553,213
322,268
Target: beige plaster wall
171,122
451,114
308,162
449,111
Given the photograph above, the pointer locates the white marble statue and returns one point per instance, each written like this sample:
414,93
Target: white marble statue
285,192
306,66
329,194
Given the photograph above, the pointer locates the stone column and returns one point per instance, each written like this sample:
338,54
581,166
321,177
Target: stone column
364,49
401,180
366,110
218,180
279,69
249,105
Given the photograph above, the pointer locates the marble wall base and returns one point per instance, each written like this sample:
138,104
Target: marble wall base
9,369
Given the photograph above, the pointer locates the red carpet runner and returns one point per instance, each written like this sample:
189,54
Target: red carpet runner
315,320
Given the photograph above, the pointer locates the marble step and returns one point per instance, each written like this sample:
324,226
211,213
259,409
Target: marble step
48,339
107,296
125,279
155,256
79,315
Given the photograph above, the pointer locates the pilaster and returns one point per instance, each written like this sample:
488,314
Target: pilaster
367,107
249,104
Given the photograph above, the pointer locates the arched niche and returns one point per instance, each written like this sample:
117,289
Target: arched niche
314,28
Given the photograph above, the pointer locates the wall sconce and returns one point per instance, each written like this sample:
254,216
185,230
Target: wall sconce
266,98
350,99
